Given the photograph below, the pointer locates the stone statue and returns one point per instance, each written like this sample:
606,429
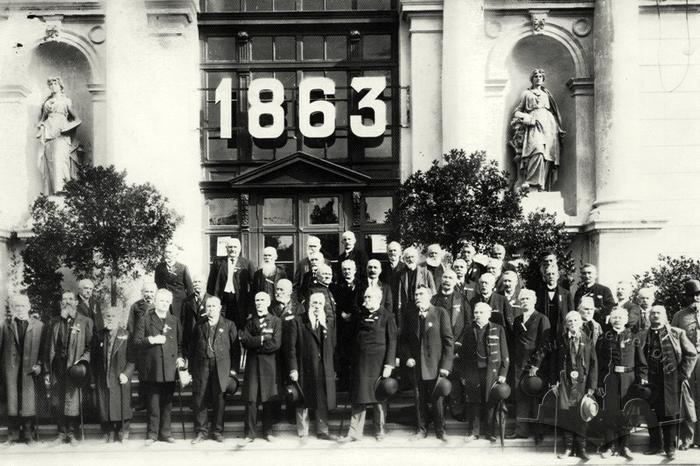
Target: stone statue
55,128
537,133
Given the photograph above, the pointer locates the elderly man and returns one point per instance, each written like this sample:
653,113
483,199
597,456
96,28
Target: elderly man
310,352
484,362
193,309
113,365
501,311
88,305
451,299
623,292
531,344
213,356
474,269
590,327
433,262
374,352
352,252
346,295
554,301
391,274
498,252
68,342
414,276
322,284
262,337
602,296
139,309
373,280
510,289
464,284
646,297
159,339
671,357
174,277
20,356
576,369
268,274
622,363
309,277
427,346
232,283
687,319
313,246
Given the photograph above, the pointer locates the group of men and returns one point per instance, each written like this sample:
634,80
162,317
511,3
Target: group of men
467,337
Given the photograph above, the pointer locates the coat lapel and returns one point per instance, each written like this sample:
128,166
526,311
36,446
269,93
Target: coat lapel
313,332
118,342
15,332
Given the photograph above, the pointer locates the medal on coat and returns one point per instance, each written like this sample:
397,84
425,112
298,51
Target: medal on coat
166,327
574,375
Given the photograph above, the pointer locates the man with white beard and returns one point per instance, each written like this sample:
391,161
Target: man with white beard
433,262
413,277
265,278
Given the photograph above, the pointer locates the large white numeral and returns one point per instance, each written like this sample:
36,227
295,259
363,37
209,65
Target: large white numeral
376,85
257,108
223,97
308,108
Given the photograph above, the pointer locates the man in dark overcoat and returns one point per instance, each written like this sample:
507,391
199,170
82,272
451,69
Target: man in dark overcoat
137,310
531,343
310,351
213,358
601,294
671,358
159,339
88,304
452,300
411,279
621,364
374,355
113,364
391,274
353,253
427,346
193,310
554,301
69,341
232,283
175,277
268,274
20,359
576,371
262,337
484,362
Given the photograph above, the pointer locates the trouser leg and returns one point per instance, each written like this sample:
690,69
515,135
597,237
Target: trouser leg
201,412
522,410
13,426
302,418
268,417
424,393
379,418
472,410
357,420
439,414
166,407
218,404
251,418
322,419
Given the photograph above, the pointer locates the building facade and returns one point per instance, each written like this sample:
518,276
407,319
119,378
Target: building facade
163,88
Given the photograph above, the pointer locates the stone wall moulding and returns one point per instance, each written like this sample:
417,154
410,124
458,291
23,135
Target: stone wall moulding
582,27
539,20
171,17
86,47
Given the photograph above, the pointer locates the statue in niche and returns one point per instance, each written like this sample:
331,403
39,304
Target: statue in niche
537,134
55,132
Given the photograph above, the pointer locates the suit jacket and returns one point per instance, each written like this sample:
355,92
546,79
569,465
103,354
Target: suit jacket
17,362
531,341
436,272
407,303
502,311
193,310
497,363
434,348
242,277
267,284
631,356
387,302
93,310
158,361
358,256
468,289
556,317
113,398
177,280
261,361
226,352
585,362
602,299
457,309
302,267
391,276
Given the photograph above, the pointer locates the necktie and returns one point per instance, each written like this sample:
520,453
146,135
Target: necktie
315,323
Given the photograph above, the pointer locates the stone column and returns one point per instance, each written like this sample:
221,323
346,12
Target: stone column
620,231
99,124
463,70
425,29
582,92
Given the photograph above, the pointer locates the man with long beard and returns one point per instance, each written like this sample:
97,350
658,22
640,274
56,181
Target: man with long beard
268,274
433,262
414,276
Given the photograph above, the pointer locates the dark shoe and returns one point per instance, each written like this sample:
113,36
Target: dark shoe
605,453
515,435
626,453
108,437
218,437
492,438
583,455
442,437
683,446
538,439
198,438
326,436
568,452
671,455
653,451
169,439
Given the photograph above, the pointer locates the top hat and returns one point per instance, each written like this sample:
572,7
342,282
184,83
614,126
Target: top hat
385,387
588,408
692,287
78,373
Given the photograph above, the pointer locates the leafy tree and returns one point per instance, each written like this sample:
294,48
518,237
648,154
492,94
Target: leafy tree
102,228
668,278
469,197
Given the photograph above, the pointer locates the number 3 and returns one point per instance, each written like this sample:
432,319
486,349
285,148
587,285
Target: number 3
376,85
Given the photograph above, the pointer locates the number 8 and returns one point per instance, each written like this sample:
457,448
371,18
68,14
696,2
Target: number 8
257,108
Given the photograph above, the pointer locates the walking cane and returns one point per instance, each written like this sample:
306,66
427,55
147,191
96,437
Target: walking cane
416,393
179,396
80,410
556,415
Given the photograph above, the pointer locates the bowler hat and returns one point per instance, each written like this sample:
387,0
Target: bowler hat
531,385
385,387
692,287
232,386
499,392
640,391
588,408
443,387
78,373
293,393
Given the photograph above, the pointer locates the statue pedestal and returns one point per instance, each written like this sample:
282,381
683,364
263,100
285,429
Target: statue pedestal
552,202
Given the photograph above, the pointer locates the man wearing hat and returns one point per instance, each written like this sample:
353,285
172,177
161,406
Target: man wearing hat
427,345
310,351
484,361
373,356
20,364
576,371
262,337
601,294
159,338
69,338
232,283
687,319
113,365
213,356
622,364
531,343
671,358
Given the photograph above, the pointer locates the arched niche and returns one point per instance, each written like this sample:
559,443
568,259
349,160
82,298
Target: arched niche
54,58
